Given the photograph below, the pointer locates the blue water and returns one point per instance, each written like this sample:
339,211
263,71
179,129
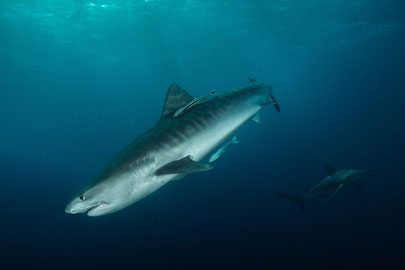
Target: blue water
81,79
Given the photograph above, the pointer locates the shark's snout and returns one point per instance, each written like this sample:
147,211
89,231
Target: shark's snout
69,210
79,207
76,207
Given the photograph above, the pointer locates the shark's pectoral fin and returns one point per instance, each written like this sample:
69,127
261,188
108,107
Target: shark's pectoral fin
336,191
182,166
179,177
256,118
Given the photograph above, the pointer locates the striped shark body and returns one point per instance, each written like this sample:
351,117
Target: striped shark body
188,130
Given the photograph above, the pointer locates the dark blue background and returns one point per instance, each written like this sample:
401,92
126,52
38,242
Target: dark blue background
78,82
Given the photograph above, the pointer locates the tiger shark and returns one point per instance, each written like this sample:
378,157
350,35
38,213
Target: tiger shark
327,188
187,131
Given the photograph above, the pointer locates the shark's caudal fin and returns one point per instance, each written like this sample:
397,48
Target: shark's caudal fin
272,100
294,198
275,102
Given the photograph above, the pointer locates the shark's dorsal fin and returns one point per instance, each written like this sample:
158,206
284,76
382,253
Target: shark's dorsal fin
329,169
176,98
184,165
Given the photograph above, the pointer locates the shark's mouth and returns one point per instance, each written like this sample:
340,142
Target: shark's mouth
95,207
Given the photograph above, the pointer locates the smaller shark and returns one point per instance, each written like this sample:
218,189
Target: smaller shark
328,188
221,150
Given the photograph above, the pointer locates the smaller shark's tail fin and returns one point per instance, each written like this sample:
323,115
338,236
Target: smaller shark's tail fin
294,198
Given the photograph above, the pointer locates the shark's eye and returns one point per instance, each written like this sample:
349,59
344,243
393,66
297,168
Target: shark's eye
82,197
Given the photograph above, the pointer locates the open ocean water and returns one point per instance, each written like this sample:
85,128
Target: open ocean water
79,80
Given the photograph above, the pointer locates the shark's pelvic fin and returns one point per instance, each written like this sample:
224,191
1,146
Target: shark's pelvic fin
192,104
234,140
294,198
184,165
329,169
336,191
176,97
256,118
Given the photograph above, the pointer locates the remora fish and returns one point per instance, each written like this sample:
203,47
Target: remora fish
221,150
328,188
171,148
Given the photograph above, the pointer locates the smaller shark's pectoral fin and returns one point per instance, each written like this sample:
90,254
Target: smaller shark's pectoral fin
182,166
336,191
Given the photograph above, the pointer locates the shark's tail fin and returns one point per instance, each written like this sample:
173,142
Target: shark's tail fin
272,100
294,198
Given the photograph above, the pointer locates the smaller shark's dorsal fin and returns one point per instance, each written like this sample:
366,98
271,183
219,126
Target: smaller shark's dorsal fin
329,169
176,97
182,166
252,80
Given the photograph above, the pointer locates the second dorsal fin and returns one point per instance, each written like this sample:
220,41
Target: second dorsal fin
176,98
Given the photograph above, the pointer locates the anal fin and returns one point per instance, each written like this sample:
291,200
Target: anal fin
182,166
256,118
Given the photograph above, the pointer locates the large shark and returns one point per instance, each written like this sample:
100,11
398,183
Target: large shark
327,189
188,130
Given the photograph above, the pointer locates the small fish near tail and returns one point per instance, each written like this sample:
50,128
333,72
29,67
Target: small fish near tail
221,150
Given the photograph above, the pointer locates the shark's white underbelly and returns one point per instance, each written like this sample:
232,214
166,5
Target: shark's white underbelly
206,142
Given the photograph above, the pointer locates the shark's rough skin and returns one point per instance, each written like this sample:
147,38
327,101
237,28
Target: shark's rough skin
171,148
328,188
